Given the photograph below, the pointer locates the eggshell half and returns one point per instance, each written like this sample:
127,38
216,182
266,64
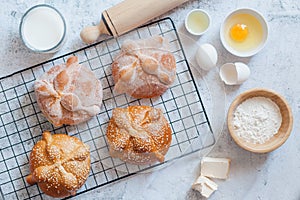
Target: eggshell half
243,72
228,74
234,73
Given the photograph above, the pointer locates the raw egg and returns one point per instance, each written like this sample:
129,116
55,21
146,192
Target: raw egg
244,32
239,32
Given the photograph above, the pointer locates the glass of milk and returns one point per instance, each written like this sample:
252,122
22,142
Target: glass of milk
43,29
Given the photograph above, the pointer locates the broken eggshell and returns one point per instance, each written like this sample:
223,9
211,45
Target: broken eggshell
207,56
234,73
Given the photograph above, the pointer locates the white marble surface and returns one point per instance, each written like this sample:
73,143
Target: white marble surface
252,176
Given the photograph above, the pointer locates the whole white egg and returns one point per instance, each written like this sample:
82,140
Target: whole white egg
207,56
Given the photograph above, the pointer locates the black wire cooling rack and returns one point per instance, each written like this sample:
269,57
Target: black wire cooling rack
22,122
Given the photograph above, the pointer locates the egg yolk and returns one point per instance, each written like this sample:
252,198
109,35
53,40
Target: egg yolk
239,32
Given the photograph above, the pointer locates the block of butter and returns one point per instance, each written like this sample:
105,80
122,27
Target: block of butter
205,186
215,167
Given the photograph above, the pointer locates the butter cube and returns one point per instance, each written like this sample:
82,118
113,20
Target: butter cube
215,167
205,186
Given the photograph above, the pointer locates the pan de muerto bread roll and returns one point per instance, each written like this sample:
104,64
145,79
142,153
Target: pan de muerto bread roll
69,93
138,135
59,164
144,68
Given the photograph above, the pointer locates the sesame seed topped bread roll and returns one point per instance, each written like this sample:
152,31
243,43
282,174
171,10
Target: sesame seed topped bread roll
144,68
138,135
59,164
69,93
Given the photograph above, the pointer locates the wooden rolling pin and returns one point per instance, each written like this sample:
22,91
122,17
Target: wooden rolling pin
127,15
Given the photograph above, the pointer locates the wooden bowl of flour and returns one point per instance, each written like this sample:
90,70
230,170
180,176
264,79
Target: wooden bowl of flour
245,135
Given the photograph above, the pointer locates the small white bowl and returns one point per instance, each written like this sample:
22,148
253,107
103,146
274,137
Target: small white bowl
263,23
200,14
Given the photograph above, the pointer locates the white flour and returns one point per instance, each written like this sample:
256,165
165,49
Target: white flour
257,119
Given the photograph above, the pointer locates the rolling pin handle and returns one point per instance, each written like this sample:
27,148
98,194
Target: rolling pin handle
91,33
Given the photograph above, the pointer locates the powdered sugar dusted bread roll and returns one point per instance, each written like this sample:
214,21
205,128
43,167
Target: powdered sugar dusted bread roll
144,68
138,135
59,164
69,93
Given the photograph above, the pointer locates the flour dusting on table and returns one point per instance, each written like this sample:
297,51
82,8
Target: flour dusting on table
257,119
